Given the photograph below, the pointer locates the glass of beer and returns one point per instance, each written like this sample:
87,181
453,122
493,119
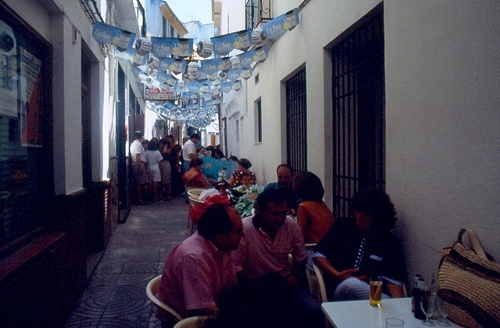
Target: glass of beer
376,290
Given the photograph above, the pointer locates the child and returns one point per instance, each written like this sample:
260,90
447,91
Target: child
246,181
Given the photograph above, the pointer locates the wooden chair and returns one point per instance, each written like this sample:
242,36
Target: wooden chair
152,289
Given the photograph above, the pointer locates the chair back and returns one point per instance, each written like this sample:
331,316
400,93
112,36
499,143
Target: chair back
152,289
191,322
321,283
195,191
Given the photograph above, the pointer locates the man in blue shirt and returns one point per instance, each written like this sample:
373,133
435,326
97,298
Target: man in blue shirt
285,176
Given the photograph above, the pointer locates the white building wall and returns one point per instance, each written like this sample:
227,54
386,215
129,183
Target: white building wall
442,117
231,21
233,103
322,21
443,123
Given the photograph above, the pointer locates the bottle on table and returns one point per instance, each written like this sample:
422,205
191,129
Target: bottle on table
413,291
222,183
417,295
434,297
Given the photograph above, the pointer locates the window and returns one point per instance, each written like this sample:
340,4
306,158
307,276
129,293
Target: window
358,111
296,121
258,121
25,128
238,131
164,27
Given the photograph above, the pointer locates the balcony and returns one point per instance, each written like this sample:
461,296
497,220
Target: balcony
257,12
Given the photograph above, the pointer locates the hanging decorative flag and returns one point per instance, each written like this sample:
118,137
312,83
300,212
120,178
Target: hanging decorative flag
246,58
127,54
175,66
237,85
193,101
192,70
225,64
184,48
246,73
193,87
226,87
138,60
162,47
210,68
261,54
235,62
277,26
291,19
234,74
179,86
243,40
223,44
108,34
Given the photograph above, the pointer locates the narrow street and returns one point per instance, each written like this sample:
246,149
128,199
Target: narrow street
116,293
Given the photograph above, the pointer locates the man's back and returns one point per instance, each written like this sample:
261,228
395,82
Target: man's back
195,271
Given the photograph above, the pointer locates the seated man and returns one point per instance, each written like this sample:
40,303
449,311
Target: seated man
266,302
356,247
285,178
199,268
270,237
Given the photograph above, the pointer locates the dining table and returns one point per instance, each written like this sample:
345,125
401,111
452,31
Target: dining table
359,314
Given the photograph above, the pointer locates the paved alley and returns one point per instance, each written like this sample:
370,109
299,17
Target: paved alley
115,295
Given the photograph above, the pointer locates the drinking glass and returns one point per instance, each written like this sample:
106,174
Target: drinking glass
394,323
428,308
443,313
376,290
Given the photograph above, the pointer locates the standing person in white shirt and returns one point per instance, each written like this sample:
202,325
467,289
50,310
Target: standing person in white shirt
189,150
153,158
138,158
188,153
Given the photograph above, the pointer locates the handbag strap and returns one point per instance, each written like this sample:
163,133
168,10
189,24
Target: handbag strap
475,242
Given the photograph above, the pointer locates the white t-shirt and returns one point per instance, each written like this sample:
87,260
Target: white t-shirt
152,158
189,148
137,148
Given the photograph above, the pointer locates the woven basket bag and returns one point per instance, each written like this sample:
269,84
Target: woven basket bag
469,284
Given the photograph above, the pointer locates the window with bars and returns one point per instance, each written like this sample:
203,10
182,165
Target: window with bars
358,111
258,121
296,121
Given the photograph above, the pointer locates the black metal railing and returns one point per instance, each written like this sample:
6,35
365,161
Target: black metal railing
257,11
296,121
358,112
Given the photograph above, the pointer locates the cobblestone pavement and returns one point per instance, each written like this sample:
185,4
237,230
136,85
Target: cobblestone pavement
116,292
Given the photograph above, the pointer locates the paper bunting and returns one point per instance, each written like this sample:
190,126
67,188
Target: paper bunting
108,34
158,62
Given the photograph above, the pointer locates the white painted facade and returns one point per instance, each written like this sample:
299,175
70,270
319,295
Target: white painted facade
233,104
442,63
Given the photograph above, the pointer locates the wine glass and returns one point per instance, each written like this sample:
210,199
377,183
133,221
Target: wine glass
428,308
443,313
